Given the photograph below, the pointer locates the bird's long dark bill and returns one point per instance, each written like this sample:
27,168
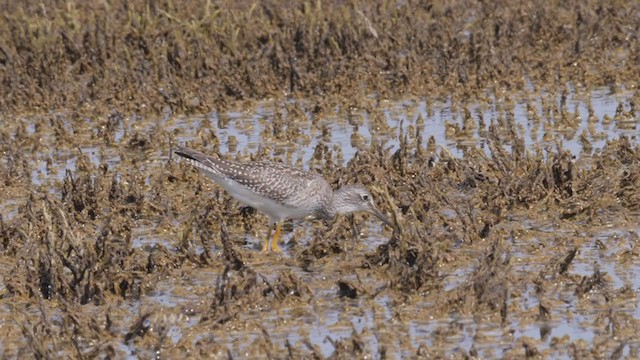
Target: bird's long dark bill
381,216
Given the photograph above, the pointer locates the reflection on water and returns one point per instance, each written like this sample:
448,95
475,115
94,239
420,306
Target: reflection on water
429,119
346,130
584,124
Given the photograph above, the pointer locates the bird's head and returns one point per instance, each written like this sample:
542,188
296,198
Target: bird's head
353,198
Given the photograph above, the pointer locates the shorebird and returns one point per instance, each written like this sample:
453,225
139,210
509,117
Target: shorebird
281,192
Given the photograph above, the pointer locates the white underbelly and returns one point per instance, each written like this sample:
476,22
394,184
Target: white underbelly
271,208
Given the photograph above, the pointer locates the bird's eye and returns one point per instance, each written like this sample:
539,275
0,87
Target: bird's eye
365,197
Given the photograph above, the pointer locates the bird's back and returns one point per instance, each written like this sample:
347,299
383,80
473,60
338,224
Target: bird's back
285,186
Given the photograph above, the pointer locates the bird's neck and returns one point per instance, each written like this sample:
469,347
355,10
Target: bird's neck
336,205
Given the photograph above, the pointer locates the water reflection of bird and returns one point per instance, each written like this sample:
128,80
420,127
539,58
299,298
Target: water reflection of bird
282,192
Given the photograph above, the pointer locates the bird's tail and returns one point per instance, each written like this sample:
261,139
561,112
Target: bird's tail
189,153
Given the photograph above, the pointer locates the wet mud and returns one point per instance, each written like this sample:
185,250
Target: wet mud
499,138
157,56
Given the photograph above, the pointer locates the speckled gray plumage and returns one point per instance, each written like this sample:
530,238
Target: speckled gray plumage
282,192
283,184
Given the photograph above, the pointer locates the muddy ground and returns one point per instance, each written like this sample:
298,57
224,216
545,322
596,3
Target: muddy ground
508,242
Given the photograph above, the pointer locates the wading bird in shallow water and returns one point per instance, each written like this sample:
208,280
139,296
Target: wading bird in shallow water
281,192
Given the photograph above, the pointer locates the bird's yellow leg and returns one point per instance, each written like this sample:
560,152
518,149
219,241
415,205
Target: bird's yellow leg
276,238
265,247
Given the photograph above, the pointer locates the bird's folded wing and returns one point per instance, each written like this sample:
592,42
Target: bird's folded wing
272,180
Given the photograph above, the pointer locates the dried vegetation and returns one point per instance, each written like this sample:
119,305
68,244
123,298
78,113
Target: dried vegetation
78,279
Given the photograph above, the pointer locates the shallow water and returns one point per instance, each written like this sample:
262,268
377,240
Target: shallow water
247,126
379,319
323,322
399,116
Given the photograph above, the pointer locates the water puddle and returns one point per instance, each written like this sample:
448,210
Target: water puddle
583,123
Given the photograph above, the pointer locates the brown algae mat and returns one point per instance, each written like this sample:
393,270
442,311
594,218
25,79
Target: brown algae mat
517,229
140,56
117,249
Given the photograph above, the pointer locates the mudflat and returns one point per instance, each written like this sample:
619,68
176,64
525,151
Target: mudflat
501,138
